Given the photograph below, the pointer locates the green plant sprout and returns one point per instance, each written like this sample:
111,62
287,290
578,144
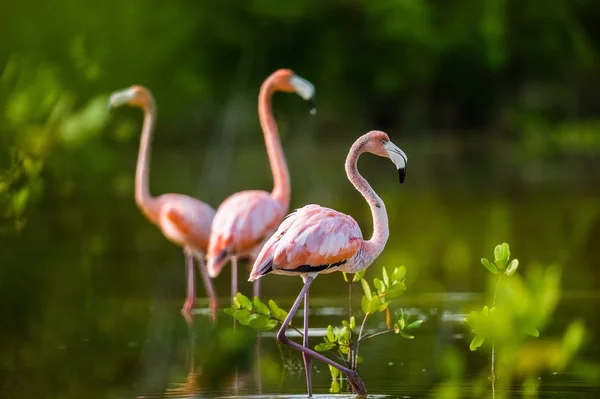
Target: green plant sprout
481,322
255,314
345,340
520,309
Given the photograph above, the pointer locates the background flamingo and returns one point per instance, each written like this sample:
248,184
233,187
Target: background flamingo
245,220
316,240
182,219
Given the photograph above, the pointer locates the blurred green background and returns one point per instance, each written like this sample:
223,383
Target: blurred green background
494,101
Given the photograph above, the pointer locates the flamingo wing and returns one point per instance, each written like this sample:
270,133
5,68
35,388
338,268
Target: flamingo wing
243,222
311,239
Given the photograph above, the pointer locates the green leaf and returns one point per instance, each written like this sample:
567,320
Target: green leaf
230,311
399,274
358,276
405,335
396,328
344,349
335,386
505,252
330,334
374,304
512,267
489,266
401,323
414,324
345,276
531,331
260,322
324,346
244,301
345,334
244,316
276,311
366,288
386,279
261,307
378,284
352,323
498,253
395,290
476,342
383,306
365,304
236,303
334,372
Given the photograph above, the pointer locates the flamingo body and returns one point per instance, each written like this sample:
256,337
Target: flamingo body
243,222
185,221
313,239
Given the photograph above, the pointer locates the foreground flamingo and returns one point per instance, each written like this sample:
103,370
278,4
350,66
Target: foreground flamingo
245,220
316,240
183,220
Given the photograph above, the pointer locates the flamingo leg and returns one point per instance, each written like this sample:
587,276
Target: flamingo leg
305,356
213,302
234,277
353,379
191,296
256,288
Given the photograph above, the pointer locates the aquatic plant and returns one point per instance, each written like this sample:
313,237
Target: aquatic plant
520,309
343,341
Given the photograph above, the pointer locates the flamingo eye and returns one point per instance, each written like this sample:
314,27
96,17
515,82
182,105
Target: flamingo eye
383,142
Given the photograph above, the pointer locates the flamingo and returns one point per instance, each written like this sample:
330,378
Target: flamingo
316,240
245,220
183,220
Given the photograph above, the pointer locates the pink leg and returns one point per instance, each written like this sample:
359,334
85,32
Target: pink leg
191,297
353,379
213,302
305,356
256,288
234,277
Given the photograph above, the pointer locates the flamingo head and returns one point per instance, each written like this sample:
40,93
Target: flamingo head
379,143
287,81
135,96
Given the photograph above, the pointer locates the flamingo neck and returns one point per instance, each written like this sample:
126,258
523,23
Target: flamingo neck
281,177
373,247
142,173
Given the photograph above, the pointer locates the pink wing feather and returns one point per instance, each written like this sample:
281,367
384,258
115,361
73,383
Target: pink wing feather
312,236
243,222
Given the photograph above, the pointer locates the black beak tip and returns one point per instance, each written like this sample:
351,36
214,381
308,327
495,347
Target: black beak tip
311,105
402,173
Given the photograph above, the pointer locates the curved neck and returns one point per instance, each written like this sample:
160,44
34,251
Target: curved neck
281,177
142,173
381,232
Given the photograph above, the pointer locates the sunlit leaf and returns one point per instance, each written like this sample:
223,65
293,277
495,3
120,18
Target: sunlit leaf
395,290
358,276
276,311
344,349
378,284
345,276
414,324
261,321
399,274
476,342
245,317
383,306
386,279
366,288
244,302
489,266
374,304
405,335
334,372
512,267
365,304
352,323
324,346
261,307
330,334
230,311
335,386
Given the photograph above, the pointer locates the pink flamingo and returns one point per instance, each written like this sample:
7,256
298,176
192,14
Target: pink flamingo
245,220
316,240
183,220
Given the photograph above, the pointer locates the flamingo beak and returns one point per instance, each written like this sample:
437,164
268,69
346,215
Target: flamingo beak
306,90
398,157
121,97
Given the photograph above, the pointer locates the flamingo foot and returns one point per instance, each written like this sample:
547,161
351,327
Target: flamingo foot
188,305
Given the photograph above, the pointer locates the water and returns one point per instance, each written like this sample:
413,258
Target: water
91,291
